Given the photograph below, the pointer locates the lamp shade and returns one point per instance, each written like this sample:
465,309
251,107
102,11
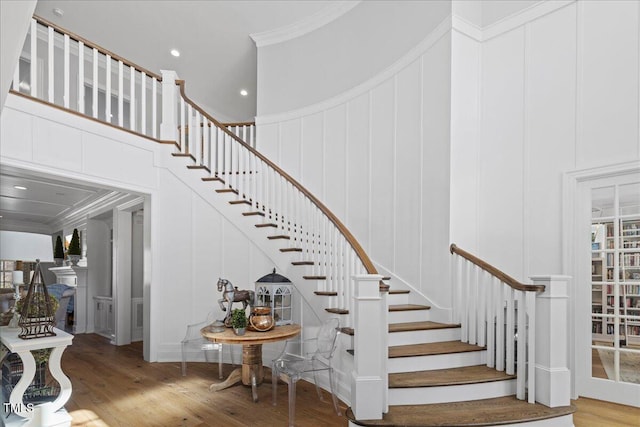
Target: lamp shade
17,245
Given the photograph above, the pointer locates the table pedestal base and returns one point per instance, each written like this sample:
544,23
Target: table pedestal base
251,373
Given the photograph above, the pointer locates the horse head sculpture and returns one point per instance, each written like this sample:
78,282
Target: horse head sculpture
231,294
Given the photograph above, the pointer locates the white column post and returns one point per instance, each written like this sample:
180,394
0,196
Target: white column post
169,124
552,375
369,377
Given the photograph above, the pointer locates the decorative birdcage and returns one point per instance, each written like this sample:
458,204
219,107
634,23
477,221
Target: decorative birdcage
37,314
275,291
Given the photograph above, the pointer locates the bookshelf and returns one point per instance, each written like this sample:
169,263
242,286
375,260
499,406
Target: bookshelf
615,281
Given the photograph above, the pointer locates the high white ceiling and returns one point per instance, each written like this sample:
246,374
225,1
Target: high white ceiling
218,58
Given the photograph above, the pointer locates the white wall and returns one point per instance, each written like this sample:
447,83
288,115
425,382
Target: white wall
344,53
378,157
559,93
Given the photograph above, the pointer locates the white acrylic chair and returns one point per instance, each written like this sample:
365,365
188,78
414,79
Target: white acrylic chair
290,367
193,340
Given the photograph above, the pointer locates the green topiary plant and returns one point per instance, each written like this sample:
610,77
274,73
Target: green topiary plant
58,251
238,319
74,245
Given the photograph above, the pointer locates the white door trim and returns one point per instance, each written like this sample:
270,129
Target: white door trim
576,249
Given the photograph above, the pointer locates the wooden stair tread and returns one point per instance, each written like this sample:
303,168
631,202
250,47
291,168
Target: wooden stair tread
196,167
485,412
326,294
398,291
408,307
212,178
291,250
420,326
254,213
442,377
240,202
314,277
337,310
279,236
227,190
429,349
269,224
302,263
347,331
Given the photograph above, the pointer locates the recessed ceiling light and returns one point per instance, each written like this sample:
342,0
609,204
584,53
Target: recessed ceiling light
58,12
243,92
175,52
19,187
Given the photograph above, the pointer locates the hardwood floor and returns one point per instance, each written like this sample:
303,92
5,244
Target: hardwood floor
113,386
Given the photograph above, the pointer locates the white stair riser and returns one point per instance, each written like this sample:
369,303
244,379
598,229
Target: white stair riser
438,361
408,316
427,336
395,299
451,393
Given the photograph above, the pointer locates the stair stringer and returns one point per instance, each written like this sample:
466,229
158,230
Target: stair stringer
437,312
343,365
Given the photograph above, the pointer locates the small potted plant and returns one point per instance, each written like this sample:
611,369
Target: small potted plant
74,252
58,252
239,321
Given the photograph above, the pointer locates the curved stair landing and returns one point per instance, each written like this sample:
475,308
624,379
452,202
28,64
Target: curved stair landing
487,412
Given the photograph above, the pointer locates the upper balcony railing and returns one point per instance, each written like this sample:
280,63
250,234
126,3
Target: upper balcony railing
71,72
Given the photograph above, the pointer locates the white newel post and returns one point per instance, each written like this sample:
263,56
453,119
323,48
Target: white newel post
369,378
552,375
169,123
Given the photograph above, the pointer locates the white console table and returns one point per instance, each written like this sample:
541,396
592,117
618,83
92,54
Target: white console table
75,276
49,414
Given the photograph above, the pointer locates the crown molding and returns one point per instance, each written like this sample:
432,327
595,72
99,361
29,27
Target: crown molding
304,26
523,17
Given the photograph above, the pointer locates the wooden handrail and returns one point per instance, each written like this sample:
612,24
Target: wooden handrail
368,265
95,46
504,277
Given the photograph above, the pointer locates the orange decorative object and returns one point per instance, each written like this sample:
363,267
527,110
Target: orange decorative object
261,319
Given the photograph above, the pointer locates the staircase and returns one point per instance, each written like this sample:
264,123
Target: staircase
438,374
435,379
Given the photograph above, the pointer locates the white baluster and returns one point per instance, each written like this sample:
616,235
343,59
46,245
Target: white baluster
531,347
483,289
34,58
197,130
107,103
472,306
190,130
120,94
154,108
132,98
253,136
81,77
491,325
50,64
183,128
143,103
464,297
66,73
500,335
509,334
522,346
94,82
206,144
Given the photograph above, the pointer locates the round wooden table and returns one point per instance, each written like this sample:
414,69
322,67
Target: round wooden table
251,373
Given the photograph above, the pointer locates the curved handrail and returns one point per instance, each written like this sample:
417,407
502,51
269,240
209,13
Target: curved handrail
364,258
504,277
97,47
239,124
